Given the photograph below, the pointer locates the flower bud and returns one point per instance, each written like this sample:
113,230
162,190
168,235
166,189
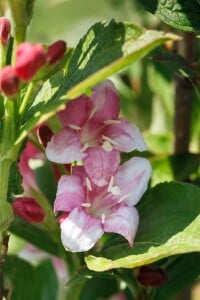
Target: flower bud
30,58
151,276
29,210
56,52
9,81
4,30
45,134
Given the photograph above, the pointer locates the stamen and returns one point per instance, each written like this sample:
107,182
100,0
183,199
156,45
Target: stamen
88,184
115,190
111,141
103,216
108,122
75,127
92,112
110,184
85,147
124,197
107,146
86,204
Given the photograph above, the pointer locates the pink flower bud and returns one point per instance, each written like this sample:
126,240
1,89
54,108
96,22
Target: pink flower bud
9,82
30,59
45,134
56,52
29,210
151,276
4,30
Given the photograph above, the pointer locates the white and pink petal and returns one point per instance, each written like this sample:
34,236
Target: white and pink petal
106,102
132,179
80,231
100,165
124,221
64,147
126,136
76,112
70,193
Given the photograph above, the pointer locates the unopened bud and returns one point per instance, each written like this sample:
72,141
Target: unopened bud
29,210
56,52
45,134
9,81
151,276
30,58
4,30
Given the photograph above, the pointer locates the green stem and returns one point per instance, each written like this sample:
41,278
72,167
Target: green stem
26,98
19,37
2,55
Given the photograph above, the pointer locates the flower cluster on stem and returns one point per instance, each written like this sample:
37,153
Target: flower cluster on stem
100,194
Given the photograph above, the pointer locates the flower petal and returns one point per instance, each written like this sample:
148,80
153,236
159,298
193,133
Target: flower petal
64,147
132,179
70,193
80,231
126,135
100,165
124,221
76,111
29,181
106,101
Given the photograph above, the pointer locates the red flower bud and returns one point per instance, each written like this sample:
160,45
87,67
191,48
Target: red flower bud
44,134
151,276
56,52
29,210
9,82
30,59
4,30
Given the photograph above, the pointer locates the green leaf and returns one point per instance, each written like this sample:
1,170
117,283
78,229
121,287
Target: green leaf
181,14
6,215
167,168
47,279
23,282
187,266
106,49
36,235
85,274
46,181
15,181
169,225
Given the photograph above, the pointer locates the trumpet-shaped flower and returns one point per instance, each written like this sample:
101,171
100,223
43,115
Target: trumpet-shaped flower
90,210
90,124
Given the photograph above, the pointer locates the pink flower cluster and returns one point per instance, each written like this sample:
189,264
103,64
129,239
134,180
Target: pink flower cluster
99,195
30,58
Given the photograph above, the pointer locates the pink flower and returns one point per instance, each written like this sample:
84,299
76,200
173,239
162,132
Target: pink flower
30,153
90,124
56,52
28,209
4,30
30,58
92,210
9,82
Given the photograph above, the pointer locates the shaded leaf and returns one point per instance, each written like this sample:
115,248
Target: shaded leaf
169,225
182,272
47,280
36,235
181,14
23,282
